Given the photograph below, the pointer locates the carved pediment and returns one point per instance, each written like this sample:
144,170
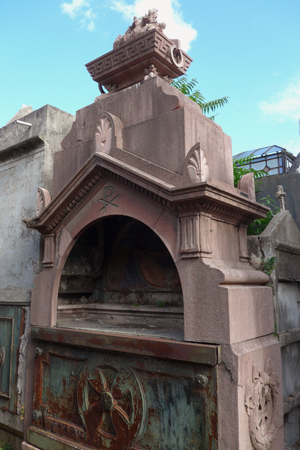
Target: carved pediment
101,168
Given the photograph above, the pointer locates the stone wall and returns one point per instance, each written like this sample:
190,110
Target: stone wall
26,163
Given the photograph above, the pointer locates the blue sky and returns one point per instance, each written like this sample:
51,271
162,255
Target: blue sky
248,51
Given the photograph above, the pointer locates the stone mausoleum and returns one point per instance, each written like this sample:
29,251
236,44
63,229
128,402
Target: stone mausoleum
148,327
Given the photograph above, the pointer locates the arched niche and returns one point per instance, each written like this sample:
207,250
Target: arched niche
120,277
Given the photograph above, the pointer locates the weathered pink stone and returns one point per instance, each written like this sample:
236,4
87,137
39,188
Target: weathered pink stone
148,153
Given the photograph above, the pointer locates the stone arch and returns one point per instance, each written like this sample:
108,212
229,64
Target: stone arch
120,274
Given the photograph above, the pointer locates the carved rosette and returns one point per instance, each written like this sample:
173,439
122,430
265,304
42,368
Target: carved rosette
112,406
262,406
197,167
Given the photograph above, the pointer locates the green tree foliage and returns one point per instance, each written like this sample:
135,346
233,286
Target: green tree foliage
188,88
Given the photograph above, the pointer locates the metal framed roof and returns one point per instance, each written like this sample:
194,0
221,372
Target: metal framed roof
261,152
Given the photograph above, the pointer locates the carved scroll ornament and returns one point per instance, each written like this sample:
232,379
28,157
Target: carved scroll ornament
262,406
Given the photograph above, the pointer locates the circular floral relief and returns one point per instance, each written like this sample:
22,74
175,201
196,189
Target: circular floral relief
262,406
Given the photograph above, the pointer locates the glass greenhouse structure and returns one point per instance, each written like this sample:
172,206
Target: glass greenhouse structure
272,160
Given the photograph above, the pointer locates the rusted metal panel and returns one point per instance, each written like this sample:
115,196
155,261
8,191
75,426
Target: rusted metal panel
87,397
161,348
11,327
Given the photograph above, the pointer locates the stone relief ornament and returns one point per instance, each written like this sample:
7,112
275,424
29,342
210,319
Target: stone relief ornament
197,166
176,55
103,133
139,27
150,72
262,406
112,406
43,200
108,134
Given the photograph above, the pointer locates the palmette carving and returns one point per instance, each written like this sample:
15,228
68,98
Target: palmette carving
43,200
262,406
112,406
103,134
108,134
197,166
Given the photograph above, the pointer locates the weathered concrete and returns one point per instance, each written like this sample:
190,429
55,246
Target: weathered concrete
26,163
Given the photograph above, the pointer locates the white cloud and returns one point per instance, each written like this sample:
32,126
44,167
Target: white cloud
168,12
80,9
285,104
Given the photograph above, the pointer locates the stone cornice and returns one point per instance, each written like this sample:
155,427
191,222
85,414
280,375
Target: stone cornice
288,248
208,197
23,146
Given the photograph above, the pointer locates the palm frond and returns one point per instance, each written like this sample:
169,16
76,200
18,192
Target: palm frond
214,104
188,88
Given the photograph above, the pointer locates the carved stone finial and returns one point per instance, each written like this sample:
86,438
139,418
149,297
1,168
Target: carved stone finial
280,194
139,27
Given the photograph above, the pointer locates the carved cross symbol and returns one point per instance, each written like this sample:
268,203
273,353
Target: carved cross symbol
107,200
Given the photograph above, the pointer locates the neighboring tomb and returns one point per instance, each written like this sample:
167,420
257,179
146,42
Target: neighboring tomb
27,147
279,248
